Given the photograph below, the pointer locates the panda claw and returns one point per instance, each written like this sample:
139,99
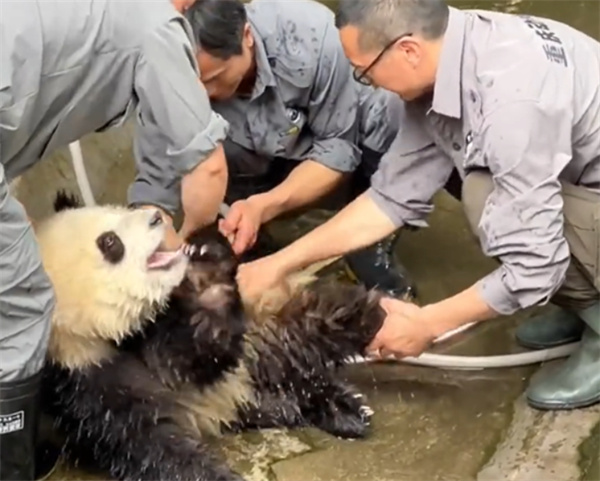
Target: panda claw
366,411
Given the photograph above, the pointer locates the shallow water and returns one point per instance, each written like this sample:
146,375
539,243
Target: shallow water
428,423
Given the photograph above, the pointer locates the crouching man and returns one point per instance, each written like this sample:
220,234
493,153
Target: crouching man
513,102
300,125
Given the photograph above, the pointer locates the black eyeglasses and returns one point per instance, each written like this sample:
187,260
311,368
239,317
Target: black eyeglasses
361,77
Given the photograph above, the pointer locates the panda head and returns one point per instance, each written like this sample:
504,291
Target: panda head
110,272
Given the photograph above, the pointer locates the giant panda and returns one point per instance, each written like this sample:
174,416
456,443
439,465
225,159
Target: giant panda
153,353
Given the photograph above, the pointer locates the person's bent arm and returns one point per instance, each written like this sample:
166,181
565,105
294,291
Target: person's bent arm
410,173
178,139
307,183
332,113
359,224
202,191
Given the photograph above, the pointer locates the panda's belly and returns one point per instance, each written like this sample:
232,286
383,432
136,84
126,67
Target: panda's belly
206,411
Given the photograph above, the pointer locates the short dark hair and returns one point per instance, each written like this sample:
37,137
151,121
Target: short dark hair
218,26
380,21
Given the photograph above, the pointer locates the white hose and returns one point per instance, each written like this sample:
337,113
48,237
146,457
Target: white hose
426,359
444,361
81,174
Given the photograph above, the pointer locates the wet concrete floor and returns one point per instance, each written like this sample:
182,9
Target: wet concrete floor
429,423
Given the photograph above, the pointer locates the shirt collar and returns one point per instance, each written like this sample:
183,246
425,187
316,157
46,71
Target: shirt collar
447,89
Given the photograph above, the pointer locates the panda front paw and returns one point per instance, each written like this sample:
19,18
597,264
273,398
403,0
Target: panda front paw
346,416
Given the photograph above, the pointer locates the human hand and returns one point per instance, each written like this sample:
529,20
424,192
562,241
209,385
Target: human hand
242,224
259,276
404,332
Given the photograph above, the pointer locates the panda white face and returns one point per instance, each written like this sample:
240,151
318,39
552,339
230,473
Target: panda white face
127,231
109,268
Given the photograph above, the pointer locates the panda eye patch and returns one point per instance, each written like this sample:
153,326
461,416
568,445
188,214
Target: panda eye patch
111,247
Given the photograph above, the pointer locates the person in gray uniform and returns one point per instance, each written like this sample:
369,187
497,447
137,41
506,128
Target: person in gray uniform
301,129
513,102
68,69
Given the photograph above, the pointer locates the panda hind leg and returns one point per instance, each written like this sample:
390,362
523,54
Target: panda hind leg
335,407
323,402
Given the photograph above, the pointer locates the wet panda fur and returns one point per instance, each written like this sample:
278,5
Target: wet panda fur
153,353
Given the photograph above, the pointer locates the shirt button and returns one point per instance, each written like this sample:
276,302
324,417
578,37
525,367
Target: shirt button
456,146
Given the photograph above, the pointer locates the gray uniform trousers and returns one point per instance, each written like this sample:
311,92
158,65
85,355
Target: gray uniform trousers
581,210
26,294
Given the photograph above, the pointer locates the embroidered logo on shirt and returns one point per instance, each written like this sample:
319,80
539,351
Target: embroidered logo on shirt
296,118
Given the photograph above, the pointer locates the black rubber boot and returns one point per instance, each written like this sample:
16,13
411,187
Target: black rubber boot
22,458
376,267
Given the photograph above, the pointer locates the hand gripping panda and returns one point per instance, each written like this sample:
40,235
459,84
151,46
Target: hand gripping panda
152,352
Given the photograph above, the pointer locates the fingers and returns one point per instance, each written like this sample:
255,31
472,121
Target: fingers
226,232
230,223
396,306
387,304
375,346
239,228
244,237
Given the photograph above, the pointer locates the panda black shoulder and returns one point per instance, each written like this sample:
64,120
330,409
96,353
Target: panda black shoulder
64,200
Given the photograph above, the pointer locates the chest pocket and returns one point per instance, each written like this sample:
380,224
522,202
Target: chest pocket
274,127
291,130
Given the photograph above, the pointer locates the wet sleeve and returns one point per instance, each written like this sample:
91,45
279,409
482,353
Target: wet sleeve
409,175
522,221
176,128
332,109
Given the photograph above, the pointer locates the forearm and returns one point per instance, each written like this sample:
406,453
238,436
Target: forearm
464,308
202,191
360,224
307,183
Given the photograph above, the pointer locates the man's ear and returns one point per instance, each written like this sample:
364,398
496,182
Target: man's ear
412,49
248,38
182,5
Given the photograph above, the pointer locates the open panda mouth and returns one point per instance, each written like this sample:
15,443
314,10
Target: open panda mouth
163,259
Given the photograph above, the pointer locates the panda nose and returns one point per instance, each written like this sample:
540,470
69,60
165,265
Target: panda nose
156,219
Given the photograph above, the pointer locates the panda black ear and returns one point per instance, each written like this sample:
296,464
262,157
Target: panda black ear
64,201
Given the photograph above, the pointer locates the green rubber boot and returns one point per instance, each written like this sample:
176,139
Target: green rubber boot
550,330
576,382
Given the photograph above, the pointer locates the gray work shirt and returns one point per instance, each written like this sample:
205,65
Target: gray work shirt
305,103
519,96
69,68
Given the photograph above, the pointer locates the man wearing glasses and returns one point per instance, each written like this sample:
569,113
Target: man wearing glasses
299,124
512,102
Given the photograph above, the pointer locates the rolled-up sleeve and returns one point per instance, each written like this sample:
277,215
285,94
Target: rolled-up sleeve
333,108
522,221
176,128
409,175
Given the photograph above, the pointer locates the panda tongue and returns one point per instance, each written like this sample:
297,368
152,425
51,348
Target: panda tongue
162,259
